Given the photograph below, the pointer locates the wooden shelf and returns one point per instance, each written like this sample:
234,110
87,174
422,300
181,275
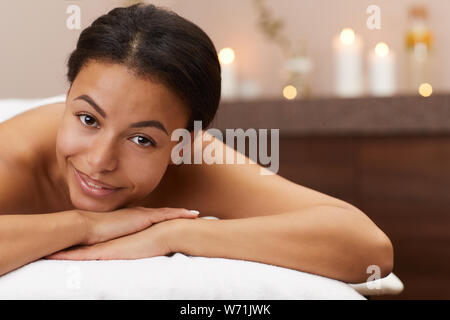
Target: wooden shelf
367,116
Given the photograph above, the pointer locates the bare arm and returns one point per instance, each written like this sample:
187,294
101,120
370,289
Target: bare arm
329,241
28,237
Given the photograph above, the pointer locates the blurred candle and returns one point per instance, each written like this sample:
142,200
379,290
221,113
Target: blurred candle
348,79
229,84
425,89
289,92
382,78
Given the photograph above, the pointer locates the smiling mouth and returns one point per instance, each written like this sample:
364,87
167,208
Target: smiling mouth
93,188
95,183
97,186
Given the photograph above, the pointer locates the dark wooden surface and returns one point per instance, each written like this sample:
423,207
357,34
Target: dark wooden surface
400,179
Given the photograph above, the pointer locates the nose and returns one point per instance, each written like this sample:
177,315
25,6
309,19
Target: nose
102,155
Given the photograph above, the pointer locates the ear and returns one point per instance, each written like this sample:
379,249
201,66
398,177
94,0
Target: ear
191,133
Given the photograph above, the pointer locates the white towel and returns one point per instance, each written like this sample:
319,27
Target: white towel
168,277
12,107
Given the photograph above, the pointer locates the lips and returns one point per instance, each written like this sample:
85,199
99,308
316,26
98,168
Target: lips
96,182
84,183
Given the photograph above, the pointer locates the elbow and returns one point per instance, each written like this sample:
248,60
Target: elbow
374,252
385,255
377,262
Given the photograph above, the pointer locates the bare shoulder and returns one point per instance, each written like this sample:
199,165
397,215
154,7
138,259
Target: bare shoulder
27,136
25,142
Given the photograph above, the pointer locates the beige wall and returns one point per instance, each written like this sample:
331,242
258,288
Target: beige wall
35,42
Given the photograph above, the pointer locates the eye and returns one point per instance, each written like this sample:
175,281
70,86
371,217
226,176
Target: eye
141,141
88,118
145,142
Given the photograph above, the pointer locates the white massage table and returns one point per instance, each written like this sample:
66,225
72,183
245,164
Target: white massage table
172,277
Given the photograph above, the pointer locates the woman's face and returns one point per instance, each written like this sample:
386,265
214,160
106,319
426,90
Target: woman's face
116,129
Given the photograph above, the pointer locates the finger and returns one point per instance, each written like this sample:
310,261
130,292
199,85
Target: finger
55,256
191,214
173,213
82,253
61,256
61,253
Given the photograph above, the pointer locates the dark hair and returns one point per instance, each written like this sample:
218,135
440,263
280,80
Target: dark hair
160,45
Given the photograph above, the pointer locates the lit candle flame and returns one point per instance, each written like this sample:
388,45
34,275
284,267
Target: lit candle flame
226,56
347,36
381,49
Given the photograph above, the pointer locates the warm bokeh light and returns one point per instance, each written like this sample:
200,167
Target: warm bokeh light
425,89
289,92
347,36
381,49
226,55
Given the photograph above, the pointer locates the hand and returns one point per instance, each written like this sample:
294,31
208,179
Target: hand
147,243
103,226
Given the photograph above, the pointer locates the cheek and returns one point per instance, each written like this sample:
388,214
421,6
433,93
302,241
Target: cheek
67,143
146,173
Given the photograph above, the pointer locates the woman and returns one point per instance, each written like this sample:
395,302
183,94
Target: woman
94,175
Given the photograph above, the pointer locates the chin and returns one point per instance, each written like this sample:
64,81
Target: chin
92,205
94,208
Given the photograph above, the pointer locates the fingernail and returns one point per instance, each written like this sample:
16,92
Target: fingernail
194,212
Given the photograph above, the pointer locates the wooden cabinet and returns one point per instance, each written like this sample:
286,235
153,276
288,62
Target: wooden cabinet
324,164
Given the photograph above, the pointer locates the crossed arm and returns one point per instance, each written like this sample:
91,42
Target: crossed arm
325,240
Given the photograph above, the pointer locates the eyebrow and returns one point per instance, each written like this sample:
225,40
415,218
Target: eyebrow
141,124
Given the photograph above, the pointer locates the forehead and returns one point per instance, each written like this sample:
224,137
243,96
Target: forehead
120,92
